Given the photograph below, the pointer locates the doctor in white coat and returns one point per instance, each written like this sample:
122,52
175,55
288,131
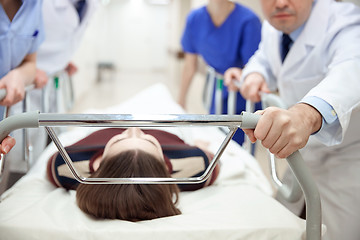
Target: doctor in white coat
65,26
319,79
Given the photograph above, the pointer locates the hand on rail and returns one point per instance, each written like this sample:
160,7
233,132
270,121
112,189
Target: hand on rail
285,131
71,69
15,88
7,144
252,87
41,78
232,78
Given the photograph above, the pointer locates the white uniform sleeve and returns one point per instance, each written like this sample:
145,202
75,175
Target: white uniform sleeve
259,62
341,87
341,90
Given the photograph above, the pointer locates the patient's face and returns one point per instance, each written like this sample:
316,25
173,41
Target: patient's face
133,138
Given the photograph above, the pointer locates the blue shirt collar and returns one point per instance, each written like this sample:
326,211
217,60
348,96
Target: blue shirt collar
295,34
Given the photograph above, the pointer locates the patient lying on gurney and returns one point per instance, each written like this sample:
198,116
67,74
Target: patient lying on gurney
120,153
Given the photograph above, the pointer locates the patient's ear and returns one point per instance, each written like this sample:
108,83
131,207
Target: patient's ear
97,162
165,162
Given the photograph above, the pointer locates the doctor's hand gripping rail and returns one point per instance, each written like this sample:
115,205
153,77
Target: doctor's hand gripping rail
245,120
291,193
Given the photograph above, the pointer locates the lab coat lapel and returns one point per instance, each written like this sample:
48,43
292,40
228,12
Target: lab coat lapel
313,32
91,6
297,52
274,46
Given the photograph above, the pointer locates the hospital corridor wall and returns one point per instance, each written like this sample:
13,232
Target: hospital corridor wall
137,37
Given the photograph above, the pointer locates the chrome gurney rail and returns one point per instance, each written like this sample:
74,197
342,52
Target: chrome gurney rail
245,120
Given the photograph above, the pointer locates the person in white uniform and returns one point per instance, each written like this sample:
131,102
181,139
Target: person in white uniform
319,80
65,22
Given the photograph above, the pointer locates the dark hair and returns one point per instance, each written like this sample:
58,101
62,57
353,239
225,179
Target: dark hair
132,202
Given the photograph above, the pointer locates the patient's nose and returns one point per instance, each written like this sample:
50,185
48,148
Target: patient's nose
135,132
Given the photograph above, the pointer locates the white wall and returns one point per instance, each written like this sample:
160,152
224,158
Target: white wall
357,2
136,37
132,34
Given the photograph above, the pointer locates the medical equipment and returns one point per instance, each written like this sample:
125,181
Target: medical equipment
291,193
216,79
3,95
57,95
246,120
24,134
231,222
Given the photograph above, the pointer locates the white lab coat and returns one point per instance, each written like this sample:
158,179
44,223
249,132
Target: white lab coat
64,32
325,62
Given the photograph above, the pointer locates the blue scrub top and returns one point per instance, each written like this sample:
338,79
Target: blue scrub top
229,45
21,36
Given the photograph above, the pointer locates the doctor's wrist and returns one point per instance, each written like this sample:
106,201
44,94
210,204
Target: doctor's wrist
310,115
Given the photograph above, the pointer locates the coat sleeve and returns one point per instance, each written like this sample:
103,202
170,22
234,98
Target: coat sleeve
259,62
341,86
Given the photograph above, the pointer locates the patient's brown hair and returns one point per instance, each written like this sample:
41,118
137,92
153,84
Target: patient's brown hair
132,202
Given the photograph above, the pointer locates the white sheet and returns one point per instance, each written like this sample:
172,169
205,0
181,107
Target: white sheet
238,206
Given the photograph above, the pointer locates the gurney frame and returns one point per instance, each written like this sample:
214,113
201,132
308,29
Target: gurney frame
233,122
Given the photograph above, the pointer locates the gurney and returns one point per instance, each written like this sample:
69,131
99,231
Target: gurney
27,120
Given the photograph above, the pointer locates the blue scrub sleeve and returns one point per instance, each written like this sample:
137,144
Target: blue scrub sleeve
187,38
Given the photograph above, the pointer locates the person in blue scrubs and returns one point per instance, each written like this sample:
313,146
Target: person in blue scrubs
225,34
21,33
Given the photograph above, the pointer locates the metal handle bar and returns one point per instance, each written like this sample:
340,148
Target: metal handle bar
2,93
292,193
140,180
307,184
34,119
270,99
245,120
